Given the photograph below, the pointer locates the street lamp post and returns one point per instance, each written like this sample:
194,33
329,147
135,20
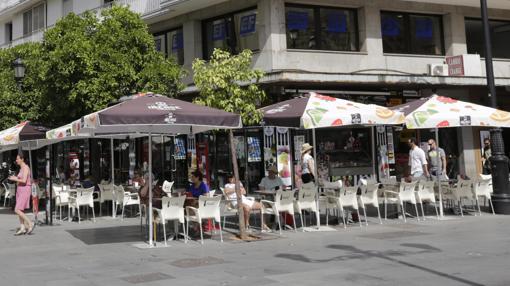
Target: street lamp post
19,74
498,160
19,71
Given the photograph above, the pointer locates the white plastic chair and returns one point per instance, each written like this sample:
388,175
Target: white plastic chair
208,208
284,202
131,199
61,199
172,208
306,200
369,197
10,192
329,200
118,198
348,198
105,196
167,187
229,206
487,177
482,187
406,193
464,190
84,197
425,193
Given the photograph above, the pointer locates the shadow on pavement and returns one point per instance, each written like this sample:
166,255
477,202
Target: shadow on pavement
356,253
105,235
6,211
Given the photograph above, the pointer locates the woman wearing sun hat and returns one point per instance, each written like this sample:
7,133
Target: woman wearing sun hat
307,164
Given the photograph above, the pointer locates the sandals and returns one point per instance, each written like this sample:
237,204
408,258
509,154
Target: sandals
20,232
30,229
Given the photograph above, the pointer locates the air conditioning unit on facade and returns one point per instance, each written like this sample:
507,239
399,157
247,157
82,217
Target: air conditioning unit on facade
438,70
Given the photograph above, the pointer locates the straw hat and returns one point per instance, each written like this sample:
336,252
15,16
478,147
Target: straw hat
306,147
273,169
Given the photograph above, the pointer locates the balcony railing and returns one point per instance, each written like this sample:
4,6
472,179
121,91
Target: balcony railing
9,3
36,36
142,7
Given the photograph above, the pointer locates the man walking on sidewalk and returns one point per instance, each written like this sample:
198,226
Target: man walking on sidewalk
417,160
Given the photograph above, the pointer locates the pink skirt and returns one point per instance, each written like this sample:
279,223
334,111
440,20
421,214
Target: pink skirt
23,194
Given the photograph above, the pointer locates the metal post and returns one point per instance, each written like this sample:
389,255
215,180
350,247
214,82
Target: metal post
112,167
498,160
374,148
438,159
316,175
150,191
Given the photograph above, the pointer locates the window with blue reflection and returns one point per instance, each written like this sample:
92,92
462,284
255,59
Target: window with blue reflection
405,33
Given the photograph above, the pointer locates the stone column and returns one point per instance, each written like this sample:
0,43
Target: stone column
454,34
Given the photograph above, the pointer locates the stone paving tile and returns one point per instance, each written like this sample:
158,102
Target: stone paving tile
146,277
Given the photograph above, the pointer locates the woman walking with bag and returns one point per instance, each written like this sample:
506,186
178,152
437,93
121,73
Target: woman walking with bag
307,164
23,193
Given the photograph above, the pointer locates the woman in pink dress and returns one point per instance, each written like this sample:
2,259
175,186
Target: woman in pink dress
23,194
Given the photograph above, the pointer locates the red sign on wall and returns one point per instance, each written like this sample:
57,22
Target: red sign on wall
455,65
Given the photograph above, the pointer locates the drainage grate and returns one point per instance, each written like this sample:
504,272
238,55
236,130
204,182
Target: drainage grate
197,262
148,277
393,234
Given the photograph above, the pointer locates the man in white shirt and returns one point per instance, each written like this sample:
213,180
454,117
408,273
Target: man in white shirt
417,160
272,181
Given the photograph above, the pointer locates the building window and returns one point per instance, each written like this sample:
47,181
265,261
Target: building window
500,35
171,44
233,32
405,33
175,40
34,19
321,28
8,32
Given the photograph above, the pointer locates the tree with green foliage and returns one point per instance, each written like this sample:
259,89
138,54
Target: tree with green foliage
84,63
228,82
20,101
92,61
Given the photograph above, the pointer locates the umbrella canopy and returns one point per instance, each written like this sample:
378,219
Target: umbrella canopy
156,114
68,131
152,113
317,111
10,138
440,111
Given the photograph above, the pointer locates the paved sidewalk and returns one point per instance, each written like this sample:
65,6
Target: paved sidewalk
457,251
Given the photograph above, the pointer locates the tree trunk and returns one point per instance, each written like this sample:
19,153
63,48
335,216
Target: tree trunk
240,210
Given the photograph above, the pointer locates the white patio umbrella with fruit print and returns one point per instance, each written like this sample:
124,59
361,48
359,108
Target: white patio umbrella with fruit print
443,112
440,111
319,111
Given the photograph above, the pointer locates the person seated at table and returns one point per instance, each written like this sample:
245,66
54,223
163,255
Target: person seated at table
197,187
88,182
61,174
138,180
272,181
248,203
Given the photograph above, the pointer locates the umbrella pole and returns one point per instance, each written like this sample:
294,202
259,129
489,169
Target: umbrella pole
114,211
316,175
31,178
150,191
438,176
374,170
